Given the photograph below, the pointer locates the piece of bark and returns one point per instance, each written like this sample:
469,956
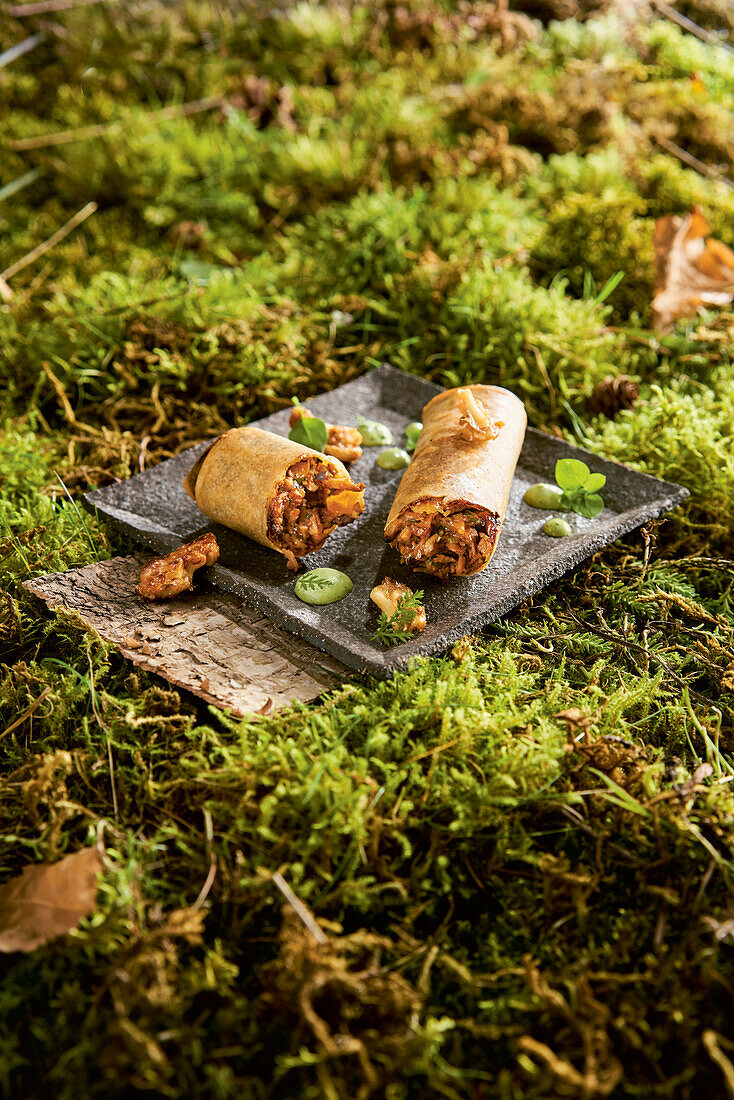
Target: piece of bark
212,644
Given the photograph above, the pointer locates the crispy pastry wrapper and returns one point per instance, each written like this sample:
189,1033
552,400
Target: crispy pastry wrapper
450,470
235,480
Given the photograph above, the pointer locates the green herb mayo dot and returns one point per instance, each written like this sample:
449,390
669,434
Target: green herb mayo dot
411,434
320,586
394,458
373,433
556,527
543,495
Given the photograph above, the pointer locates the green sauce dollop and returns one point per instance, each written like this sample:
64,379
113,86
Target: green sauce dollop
374,434
394,458
320,586
543,495
412,432
556,527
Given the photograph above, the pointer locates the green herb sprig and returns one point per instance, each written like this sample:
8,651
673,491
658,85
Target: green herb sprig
311,431
395,628
580,487
312,583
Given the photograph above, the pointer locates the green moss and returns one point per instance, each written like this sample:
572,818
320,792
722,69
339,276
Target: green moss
523,890
684,433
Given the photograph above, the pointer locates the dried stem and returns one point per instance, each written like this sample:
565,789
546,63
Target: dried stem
66,137
46,246
42,7
299,908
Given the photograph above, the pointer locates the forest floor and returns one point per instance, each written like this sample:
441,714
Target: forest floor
521,855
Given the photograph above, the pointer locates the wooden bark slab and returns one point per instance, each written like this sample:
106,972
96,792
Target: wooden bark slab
212,644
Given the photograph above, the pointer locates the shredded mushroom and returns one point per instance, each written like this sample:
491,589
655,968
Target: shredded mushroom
387,596
476,424
169,576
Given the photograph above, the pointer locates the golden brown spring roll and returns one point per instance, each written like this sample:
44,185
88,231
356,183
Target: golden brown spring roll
452,499
281,494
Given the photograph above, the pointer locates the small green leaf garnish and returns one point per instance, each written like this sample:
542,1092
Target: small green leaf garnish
589,505
311,431
595,482
323,586
393,629
311,582
571,473
580,487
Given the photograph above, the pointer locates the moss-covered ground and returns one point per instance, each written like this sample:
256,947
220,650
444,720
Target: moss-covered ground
521,855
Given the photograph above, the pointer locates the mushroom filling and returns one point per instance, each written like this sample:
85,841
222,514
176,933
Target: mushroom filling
311,501
474,420
446,539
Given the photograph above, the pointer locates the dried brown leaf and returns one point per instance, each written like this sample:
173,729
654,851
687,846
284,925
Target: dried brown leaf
47,900
576,719
690,271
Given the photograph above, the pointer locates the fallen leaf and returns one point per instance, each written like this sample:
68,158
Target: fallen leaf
722,930
690,271
703,771
47,900
575,719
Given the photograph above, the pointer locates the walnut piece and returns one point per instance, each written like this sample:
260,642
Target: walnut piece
475,422
164,578
343,443
387,594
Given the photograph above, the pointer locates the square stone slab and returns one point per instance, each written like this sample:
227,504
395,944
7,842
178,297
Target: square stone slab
154,508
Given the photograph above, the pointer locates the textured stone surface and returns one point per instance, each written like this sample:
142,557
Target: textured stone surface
154,508
210,643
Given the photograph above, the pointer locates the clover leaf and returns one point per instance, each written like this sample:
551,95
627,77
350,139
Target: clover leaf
571,474
580,487
311,431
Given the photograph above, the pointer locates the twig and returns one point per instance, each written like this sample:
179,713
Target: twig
299,908
16,51
44,6
27,712
80,517
45,246
617,639
105,729
691,161
18,184
687,24
66,137
60,393
209,881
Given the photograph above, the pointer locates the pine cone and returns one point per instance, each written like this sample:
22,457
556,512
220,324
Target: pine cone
612,394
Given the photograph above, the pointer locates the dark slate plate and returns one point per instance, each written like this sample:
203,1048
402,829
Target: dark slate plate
155,510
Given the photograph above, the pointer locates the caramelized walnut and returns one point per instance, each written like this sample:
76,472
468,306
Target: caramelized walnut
343,443
164,578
